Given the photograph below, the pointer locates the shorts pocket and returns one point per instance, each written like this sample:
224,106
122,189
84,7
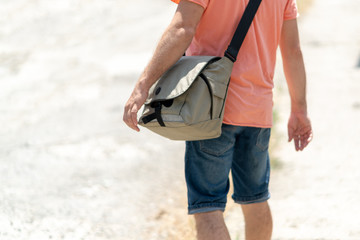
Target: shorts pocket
217,146
262,141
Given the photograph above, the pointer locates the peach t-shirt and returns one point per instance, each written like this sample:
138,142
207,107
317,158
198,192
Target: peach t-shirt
249,101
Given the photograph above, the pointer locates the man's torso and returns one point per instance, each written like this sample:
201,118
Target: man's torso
249,101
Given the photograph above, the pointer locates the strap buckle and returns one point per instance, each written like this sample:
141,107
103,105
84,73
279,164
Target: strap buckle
229,56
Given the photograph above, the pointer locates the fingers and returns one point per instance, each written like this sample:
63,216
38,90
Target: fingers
130,117
302,137
297,143
133,105
304,143
301,141
291,135
299,130
133,115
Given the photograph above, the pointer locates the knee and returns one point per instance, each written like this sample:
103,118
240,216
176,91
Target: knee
258,212
208,216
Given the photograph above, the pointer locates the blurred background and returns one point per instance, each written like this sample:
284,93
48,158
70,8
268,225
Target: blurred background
70,168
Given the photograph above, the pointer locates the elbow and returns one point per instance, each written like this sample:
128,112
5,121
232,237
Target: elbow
296,51
184,32
292,54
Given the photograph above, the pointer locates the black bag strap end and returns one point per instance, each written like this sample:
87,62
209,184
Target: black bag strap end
156,115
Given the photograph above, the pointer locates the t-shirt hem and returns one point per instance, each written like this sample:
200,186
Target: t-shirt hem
193,1
248,124
292,17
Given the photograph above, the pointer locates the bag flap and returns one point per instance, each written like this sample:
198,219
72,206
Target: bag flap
218,75
179,77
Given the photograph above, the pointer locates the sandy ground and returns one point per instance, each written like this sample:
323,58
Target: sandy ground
70,169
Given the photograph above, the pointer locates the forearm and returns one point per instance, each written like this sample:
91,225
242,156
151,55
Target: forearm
294,70
293,64
169,50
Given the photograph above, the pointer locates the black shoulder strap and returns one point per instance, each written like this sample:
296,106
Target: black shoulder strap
242,29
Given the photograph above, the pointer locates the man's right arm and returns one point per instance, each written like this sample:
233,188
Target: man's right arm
175,40
299,126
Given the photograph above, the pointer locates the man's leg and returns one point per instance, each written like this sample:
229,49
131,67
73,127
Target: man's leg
207,167
258,221
251,175
211,226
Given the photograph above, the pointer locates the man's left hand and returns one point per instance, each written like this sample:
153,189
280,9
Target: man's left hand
299,130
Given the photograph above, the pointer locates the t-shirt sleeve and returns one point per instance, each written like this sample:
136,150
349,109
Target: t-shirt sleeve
291,10
203,3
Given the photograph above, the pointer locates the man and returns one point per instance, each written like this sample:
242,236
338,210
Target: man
205,27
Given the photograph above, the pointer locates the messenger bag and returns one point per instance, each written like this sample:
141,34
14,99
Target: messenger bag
187,102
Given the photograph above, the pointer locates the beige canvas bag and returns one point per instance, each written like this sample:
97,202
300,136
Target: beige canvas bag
187,102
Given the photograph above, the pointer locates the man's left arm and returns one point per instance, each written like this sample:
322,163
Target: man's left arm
299,126
172,45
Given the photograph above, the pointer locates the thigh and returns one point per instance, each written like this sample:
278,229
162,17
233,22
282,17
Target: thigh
207,167
251,166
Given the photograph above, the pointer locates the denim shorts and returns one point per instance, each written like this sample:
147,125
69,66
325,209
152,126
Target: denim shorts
244,151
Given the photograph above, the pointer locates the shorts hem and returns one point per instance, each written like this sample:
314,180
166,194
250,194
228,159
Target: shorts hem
249,200
201,208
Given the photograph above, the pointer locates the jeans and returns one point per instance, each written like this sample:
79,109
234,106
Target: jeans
241,150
